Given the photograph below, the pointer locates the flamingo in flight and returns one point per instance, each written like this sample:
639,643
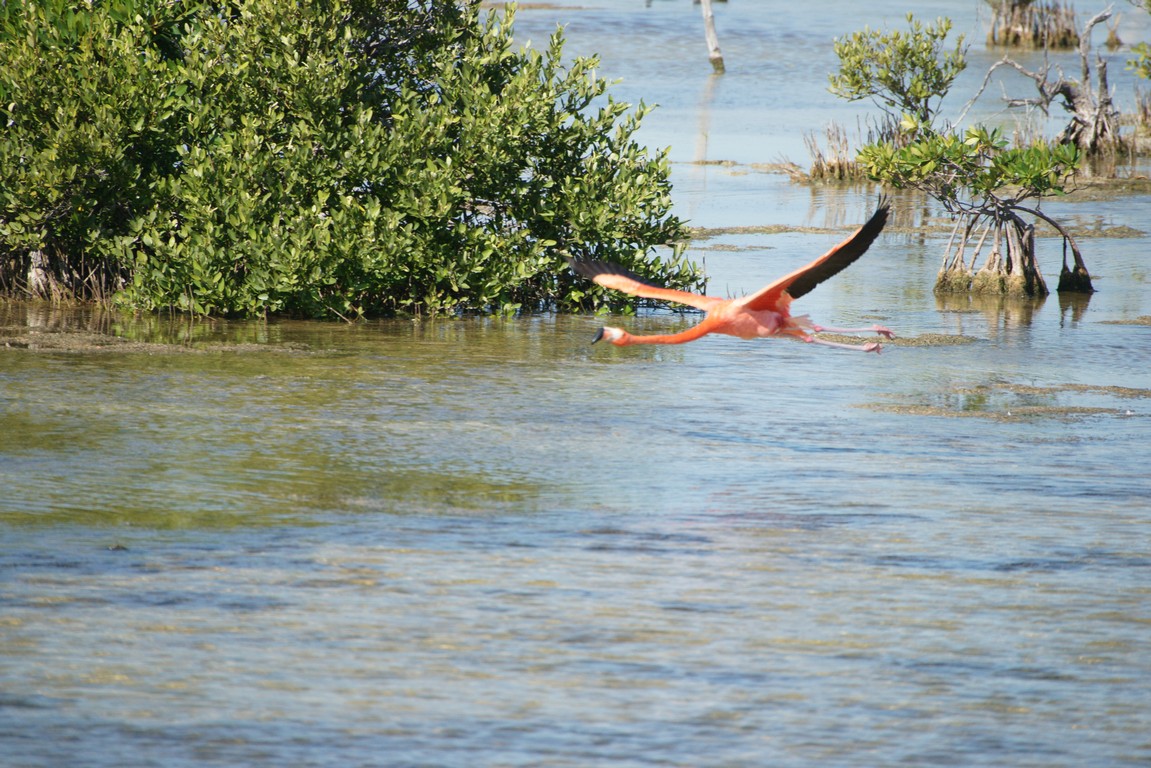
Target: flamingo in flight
761,314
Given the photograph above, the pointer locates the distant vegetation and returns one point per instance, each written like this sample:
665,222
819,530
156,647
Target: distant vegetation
903,72
1029,24
1141,65
319,159
984,183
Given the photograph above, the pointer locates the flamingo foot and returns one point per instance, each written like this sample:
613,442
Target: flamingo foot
881,330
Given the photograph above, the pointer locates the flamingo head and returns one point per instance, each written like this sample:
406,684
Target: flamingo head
610,335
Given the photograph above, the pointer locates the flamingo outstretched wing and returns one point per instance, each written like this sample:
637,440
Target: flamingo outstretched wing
616,277
804,279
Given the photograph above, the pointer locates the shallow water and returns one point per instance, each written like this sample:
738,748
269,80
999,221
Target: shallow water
485,542
778,57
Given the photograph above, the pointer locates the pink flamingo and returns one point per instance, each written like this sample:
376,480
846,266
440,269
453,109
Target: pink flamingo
761,314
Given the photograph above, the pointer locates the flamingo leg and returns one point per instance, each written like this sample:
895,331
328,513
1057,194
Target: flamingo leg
885,332
871,346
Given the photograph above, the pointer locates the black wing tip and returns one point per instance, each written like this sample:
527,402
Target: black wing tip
878,220
592,268
847,253
586,267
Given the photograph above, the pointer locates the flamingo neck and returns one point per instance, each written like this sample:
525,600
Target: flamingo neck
691,334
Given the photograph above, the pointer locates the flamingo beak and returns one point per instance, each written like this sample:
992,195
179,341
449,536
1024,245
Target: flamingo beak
598,336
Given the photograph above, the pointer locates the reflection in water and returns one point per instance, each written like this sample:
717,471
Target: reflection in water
1073,307
998,312
705,102
20,320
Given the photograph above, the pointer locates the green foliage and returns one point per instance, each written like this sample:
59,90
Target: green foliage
1141,64
904,72
978,177
975,175
954,168
87,115
318,159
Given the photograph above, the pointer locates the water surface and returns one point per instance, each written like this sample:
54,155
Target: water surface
485,542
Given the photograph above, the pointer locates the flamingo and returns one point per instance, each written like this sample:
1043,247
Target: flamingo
761,314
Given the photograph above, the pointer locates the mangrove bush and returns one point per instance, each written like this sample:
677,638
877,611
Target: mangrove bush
315,158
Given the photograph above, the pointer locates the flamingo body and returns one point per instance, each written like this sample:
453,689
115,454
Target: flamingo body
762,314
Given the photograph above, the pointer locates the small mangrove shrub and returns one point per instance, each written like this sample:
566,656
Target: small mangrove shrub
974,174
1141,65
987,185
903,72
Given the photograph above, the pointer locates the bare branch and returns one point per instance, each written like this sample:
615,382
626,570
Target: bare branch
1060,229
1040,79
1085,40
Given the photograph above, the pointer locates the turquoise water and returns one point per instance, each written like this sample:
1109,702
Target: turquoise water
486,542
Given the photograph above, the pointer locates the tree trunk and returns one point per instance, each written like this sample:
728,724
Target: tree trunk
1094,118
713,52
1032,25
1009,270
43,282
955,276
1076,279
1023,278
